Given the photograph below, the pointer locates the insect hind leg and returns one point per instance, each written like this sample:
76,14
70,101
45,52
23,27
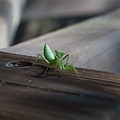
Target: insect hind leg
68,66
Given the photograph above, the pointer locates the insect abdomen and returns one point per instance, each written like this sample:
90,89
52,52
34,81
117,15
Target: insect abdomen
49,55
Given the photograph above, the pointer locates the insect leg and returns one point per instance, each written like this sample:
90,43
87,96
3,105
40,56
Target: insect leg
66,56
39,55
45,72
68,66
76,72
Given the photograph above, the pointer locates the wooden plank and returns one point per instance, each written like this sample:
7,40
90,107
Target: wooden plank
24,95
89,79
25,103
36,9
93,44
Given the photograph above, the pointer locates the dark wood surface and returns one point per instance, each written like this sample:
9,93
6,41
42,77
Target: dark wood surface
25,95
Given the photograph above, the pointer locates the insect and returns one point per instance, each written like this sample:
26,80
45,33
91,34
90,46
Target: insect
59,59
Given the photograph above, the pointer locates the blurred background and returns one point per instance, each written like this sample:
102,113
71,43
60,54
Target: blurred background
22,20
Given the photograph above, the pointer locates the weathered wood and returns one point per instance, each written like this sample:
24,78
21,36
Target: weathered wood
94,76
92,44
24,95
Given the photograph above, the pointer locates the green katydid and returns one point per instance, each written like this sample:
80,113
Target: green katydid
57,60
